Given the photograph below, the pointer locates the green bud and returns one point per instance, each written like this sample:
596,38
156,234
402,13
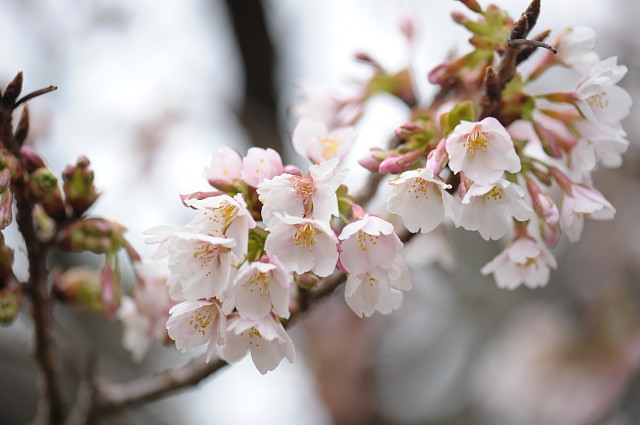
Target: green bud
43,185
93,234
10,300
79,191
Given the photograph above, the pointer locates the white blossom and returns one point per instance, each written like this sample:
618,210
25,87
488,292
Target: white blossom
583,201
489,209
265,339
483,150
421,199
525,261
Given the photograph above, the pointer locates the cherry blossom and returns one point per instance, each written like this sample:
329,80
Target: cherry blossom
265,339
576,48
302,196
378,289
223,216
195,323
525,261
421,200
312,139
368,243
303,245
583,201
489,209
598,97
483,150
145,314
225,167
261,286
260,164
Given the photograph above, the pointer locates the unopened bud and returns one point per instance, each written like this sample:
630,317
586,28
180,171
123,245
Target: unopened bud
6,213
10,300
94,234
32,161
111,289
79,190
80,287
307,280
372,161
550,233
398,163
293,170
472,5
6,262
43,185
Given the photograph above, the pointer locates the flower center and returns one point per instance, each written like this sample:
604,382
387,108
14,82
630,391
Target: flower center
420,187
363,238
201,320
598,100
253,333
260,283
222,217
476,140
305,236
496,193
304,188
329,147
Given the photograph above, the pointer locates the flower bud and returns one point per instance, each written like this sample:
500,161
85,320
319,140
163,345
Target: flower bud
550,233
293,170
43,185
6,261
307,280
398,163
80,287
371,162
31,160
6,213
542,203
111,289
10,300
94,234
79,190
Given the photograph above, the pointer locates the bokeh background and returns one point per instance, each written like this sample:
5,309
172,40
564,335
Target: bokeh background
149,89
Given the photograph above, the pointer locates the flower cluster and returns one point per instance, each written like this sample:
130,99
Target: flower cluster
266,232
486,154
497,159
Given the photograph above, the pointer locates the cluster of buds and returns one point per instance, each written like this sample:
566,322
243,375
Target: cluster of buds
486,154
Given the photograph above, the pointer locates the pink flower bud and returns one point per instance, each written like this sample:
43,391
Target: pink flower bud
370,162
292,169
31,159
398,163
550,233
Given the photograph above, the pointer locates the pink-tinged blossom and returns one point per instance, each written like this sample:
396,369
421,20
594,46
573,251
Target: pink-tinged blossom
223,216
525,261
312,139
203,264
224,169
303,245
378,289
489,209
597,147
583,201
145,314
598,97
195,323
265,338
260,164
260,287
421,199
303,196
368,243
483,150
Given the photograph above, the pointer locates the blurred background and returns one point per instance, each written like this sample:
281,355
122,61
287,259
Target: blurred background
148,90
